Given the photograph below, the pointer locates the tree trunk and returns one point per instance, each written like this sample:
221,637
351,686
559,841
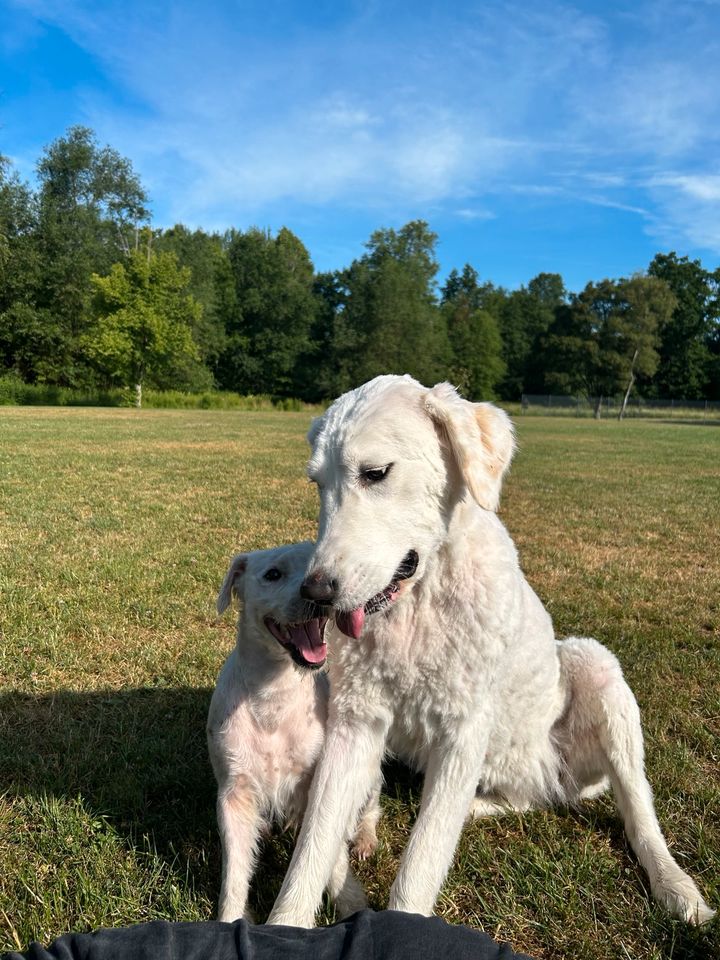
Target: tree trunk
626,397
138,395
598,408
629,386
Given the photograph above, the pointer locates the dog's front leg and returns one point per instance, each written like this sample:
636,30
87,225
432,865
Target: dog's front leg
451,778
239,825
343,780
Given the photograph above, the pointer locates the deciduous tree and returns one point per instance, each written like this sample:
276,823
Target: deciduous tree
606,336
688,335
389,321
90,203
143,317
525,316
269,316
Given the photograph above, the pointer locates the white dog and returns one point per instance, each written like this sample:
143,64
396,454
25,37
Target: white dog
446,655
266,724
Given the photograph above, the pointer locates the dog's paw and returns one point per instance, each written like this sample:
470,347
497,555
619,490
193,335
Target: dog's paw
681,898
364,845
290,918
698,914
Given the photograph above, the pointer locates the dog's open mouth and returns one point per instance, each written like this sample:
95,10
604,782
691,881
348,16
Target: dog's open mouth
305,641
351,621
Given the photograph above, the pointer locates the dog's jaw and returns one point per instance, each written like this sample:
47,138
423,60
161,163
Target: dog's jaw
351,622
304,641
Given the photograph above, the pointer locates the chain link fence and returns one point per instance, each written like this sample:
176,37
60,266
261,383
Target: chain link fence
704,411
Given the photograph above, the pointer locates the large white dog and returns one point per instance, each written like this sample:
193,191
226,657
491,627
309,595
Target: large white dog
445,655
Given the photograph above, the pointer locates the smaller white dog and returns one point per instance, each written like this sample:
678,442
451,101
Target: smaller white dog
266,725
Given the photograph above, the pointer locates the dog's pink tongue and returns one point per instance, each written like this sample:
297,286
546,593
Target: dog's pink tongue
308,638
351,623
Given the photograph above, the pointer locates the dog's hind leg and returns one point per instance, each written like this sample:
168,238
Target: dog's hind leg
239,825
603,736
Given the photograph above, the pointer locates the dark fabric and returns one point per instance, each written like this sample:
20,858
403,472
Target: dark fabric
388,935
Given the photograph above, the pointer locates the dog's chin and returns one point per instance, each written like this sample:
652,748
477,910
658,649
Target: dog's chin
351,622
304,641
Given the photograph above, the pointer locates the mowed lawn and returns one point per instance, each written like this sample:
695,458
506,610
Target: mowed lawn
116,527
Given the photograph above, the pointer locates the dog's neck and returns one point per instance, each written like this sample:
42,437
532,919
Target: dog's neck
264,672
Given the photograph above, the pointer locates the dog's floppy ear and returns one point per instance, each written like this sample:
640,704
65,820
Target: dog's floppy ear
231,581
480,437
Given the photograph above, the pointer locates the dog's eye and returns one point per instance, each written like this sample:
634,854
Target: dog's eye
272,574
375,474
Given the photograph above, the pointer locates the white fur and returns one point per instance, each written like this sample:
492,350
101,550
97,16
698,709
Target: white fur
462,675
266,728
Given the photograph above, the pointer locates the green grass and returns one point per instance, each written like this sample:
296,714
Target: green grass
115,530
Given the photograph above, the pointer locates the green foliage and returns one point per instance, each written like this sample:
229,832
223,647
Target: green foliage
269,313
525,316
690,336
143,319
19,271
205,256
477,365
90,201
14,392
11,388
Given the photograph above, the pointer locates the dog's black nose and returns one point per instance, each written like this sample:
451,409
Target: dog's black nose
319,587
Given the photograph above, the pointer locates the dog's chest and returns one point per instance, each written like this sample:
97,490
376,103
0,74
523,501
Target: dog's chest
276,745
401,667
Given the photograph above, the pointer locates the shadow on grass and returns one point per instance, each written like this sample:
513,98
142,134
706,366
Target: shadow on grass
136,757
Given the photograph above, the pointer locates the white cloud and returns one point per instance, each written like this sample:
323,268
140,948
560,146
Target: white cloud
697,187
473,213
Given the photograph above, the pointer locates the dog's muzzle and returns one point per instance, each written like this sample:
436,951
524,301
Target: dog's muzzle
351,622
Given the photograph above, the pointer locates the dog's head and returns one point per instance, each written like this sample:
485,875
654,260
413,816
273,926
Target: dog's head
267,583
392,459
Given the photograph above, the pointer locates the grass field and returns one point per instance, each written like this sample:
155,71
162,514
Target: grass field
115,530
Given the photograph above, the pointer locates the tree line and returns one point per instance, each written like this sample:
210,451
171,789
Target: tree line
92,296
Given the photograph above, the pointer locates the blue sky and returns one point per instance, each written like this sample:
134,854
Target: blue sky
578,138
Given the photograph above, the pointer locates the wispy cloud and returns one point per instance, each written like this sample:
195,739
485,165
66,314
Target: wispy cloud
697,187
689,203
617,205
